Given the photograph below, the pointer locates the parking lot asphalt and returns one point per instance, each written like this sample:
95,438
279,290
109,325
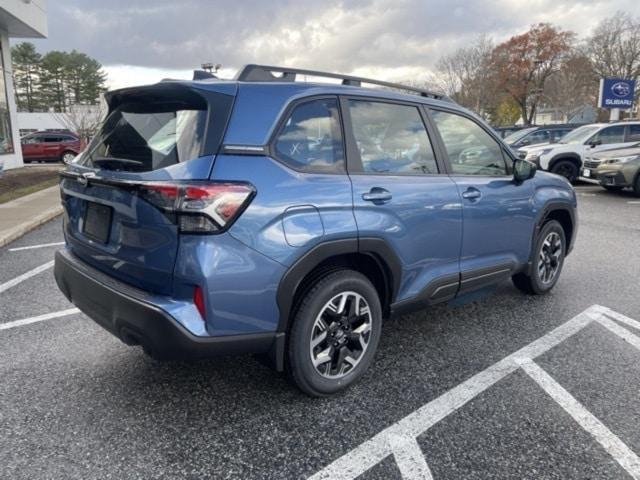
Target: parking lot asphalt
76,403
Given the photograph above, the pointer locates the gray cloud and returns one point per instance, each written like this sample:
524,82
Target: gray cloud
332,34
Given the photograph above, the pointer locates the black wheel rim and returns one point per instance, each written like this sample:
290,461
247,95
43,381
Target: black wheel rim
550,258
566,170
340,335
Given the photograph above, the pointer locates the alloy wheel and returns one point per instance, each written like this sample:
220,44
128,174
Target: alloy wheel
340,335
549,258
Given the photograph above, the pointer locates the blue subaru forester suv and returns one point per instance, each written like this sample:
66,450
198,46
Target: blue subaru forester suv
287,219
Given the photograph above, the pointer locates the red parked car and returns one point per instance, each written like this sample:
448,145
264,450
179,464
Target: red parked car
50,146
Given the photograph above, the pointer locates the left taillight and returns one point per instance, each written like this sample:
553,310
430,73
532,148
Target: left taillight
200,207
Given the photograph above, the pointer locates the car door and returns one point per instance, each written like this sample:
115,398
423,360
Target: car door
608,138
400,195
30,147
51,147
497,213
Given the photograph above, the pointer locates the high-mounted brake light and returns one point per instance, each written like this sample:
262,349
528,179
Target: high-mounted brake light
200,207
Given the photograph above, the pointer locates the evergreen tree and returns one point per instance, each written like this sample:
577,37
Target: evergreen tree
55,80
52,79
26,66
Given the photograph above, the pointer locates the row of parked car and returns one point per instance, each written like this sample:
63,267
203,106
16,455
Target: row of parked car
608,153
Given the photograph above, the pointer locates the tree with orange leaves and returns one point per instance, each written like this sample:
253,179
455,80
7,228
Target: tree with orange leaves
522,65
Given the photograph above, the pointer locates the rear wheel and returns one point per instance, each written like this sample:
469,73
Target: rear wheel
335,333
546,261
566,169
636,186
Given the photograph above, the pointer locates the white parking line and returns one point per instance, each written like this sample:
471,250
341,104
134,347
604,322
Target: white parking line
385,443
605,437
25,276
39,318
31,247
634,202
409,458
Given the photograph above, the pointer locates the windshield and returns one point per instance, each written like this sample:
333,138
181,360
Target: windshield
579,135
142,137
515,136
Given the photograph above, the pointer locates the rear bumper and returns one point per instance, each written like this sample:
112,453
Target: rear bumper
128,314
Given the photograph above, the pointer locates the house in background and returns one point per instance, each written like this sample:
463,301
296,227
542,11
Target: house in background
18,19
550,115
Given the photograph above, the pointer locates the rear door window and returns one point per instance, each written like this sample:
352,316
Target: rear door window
634,133
391,138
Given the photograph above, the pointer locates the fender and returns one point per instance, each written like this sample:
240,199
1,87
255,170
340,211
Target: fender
564,156
382,253
543,214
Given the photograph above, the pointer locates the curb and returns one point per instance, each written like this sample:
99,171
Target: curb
26,227
10,234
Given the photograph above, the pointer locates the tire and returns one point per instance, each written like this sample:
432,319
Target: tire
67,156
612,188
318,318
566,169
636,186
536,281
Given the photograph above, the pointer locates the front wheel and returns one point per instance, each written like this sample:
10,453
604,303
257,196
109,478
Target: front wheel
566,169
546,261
335,333
67,156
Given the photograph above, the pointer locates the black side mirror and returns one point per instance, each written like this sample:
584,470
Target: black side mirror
595,143
523,170
525,141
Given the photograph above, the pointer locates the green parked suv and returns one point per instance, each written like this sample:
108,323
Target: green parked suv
617,169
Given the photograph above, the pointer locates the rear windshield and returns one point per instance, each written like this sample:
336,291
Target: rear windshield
140,137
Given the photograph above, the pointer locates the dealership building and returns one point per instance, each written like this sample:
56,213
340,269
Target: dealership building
18,19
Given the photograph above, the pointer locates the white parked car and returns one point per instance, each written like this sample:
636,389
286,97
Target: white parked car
567,157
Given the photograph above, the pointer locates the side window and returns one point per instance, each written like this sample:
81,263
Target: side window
391,138
540,136
51,139
471,150
634,133
558,134
311,138
610,135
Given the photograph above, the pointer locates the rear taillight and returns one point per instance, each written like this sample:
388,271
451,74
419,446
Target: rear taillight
200,207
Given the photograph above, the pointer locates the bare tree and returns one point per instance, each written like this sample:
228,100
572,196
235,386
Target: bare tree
573,85
83,120
465,76
614,47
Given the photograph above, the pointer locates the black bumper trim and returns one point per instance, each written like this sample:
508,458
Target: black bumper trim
123,311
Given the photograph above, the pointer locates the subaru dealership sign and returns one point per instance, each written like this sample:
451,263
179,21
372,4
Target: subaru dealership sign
616,93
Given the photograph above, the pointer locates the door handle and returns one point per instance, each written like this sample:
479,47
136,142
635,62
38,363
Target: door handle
377,195
471,193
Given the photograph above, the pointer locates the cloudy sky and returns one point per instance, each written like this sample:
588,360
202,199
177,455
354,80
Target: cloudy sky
144,41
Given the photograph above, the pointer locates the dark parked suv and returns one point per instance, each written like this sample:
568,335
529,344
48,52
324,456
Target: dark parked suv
288,219
50,146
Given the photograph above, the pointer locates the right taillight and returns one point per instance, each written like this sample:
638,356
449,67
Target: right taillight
200,207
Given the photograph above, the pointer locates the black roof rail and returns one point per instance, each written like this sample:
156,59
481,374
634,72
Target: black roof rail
264,73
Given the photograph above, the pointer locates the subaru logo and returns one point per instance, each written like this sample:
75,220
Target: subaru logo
621,89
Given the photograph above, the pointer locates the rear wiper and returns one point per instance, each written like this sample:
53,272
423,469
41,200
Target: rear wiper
112,163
